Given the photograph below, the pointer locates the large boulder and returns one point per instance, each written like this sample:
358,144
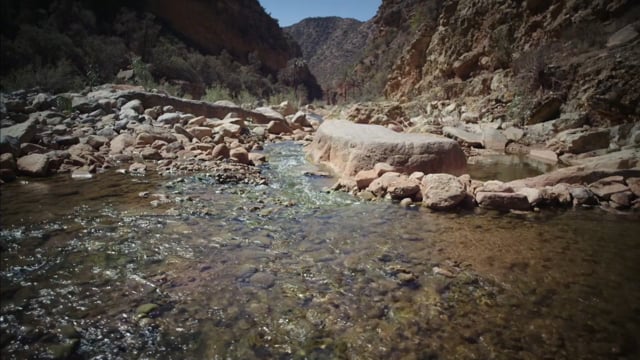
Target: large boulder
348,148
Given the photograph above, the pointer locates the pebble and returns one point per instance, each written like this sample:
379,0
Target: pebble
145,309
443,272
263,280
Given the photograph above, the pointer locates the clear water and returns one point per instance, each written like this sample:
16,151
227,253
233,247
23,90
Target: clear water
506,167
288,271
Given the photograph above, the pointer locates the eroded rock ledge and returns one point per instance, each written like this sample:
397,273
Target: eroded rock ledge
348,148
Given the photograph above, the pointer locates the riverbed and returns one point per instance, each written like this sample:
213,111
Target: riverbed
91,269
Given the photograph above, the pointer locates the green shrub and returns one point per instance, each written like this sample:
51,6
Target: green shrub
142,74
56,78
217,92
245,97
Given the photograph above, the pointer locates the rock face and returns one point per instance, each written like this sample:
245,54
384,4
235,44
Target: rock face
330,45
349,148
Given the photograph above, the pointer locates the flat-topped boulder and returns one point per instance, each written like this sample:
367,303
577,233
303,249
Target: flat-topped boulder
348,148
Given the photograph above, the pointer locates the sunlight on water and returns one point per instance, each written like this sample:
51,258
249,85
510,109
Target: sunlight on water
288,270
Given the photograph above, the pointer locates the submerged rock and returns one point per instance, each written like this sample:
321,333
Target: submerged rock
502,201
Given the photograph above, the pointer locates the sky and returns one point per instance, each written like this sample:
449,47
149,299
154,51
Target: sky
289,12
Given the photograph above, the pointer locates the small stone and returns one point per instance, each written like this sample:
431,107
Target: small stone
145,309
407,277
7,161
300,119
406,202
534,196
65,141
257,158
135,105
502,201
622,199
64,351
495,186
138,169
364,178
366,195
608,186
34,165
200,132
121,142
262,280
239,155
634,185
96,141
278,127
582,196
547,156
417,175
69,331
149,153
182,131
220,151
81,174
170,118
444,272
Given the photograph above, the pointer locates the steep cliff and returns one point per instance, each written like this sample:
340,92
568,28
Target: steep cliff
331,45
510,58
241,27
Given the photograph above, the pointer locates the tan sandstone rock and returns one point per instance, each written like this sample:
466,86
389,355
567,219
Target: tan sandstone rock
349,148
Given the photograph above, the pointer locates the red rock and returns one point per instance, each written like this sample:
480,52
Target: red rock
364,178
220,151
239,155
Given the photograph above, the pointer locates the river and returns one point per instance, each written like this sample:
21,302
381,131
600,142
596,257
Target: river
91,270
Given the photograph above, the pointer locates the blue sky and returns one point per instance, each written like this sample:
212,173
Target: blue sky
289,12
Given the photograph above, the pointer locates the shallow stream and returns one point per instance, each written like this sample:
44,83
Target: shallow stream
289,271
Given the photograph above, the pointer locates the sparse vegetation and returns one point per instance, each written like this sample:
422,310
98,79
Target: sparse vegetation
70,49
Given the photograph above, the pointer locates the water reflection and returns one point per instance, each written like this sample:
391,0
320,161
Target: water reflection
506,167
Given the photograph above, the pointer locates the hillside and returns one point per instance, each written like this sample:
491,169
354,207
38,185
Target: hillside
189,46
509,59
331,46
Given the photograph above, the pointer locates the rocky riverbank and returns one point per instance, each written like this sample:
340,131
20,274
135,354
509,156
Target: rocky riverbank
125,128
607,177
136,132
